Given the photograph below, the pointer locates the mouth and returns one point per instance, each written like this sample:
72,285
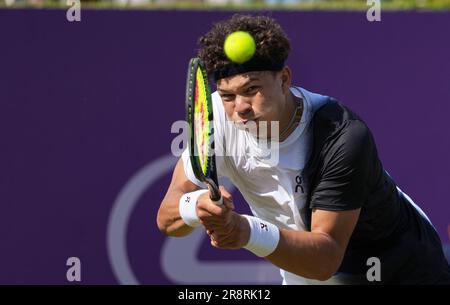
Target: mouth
244,122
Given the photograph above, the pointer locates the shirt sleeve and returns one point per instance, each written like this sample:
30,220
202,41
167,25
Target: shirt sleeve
188,171
345,177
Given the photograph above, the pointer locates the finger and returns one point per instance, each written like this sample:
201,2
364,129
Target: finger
212,227
220,217
205,202
228,204
224,242
214,237
204,215
222,231
212,211
214,244
225,193
208,206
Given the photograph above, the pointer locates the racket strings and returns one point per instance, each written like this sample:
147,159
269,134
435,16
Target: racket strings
202,132
200,117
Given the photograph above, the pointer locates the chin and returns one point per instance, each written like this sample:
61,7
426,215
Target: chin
249,126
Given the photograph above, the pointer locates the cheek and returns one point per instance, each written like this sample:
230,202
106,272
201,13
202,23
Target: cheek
274,94
263,103
228,109
260,103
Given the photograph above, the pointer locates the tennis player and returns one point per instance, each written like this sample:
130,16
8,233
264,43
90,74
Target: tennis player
327,211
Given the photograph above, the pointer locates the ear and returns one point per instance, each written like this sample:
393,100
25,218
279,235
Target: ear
286,78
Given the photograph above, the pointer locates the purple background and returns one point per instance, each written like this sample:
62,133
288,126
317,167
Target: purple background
85,106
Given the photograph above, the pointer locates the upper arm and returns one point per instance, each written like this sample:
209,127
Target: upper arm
343,188
337,226
168,219
317,254
179,180
347,172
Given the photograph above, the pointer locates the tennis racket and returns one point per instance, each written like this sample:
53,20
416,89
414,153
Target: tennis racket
199,112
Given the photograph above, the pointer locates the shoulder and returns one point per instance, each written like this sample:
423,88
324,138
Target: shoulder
215,96
334,115
334,121
218,111
341,139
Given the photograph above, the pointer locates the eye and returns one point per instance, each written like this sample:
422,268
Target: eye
252,89
227,97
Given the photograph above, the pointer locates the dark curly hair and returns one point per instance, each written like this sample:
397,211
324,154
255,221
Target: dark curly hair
272,44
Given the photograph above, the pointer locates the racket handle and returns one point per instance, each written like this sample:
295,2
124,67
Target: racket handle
214,193
218,202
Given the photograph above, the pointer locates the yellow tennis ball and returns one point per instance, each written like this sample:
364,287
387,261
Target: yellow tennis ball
239,46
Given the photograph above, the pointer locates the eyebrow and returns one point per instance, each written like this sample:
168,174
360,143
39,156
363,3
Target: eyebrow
251,79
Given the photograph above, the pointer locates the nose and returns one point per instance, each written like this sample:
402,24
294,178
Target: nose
242,106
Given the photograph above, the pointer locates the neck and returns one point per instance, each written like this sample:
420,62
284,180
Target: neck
290,117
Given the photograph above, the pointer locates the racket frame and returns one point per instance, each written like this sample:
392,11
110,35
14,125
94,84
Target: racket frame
211,179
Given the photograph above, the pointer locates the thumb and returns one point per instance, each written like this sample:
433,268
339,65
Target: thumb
229,204
225,193
227,198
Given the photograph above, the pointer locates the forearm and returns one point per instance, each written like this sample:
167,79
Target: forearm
308,254
169,219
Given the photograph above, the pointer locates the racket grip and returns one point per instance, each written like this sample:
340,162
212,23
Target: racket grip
218,202
214,194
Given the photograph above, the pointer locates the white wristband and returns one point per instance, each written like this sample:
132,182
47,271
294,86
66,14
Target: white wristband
187,207
264,236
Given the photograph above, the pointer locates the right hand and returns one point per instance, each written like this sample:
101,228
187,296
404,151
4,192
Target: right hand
225,227
212,215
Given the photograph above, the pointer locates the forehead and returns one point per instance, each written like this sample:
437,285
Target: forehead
240,80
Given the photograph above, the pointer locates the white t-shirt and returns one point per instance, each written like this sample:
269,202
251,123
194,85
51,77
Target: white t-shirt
275,193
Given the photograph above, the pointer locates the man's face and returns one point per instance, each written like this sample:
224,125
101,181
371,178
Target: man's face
254,96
